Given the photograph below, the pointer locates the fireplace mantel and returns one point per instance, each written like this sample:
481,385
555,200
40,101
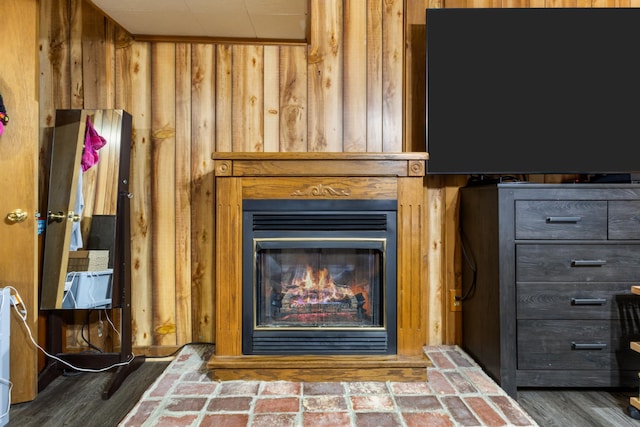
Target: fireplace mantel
344,176
320,164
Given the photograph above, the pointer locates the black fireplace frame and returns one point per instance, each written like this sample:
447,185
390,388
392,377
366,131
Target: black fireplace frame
331,220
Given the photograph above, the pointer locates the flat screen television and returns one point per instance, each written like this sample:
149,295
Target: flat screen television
532,91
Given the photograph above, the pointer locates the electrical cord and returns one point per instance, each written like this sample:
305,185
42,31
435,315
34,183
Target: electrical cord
472,265
22,313
85,323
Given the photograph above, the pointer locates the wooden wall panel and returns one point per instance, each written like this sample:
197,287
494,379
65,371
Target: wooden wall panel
163,191
293,98
182,184
392,73
325,76
358,85
247,118
202,224
224,99
374,76
136,66
355,76
271,110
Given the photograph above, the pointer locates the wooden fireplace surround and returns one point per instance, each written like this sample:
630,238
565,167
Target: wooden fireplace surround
399,176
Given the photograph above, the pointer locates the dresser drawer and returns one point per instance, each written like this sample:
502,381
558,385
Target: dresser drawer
577,263
624,219
575,344
553,219
589,301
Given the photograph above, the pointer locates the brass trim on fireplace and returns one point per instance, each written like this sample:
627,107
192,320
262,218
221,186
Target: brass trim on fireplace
383,279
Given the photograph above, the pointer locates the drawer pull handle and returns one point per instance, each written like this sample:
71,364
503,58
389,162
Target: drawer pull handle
587,346
588,301
562,219
588,262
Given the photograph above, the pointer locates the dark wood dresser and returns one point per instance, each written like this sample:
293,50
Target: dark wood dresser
547,270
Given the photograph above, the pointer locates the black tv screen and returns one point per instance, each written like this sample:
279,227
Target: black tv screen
528,91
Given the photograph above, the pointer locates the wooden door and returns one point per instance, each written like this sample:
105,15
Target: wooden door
18,183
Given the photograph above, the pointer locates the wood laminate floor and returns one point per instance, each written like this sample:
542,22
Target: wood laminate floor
77,400
578,408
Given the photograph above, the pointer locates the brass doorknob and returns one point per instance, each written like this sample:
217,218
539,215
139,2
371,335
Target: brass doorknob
17,215
57,217
61,216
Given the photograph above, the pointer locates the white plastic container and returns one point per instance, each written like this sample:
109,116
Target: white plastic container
5,331
88,289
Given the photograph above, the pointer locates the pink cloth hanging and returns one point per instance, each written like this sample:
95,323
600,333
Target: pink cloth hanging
92,143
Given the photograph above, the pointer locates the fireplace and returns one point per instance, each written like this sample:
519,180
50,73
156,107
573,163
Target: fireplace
319,277
320,267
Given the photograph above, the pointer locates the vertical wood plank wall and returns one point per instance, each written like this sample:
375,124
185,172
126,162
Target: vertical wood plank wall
358,85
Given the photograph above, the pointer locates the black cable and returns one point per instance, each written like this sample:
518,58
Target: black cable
86,322
472,265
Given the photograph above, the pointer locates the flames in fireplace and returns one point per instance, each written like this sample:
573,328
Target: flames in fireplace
318,296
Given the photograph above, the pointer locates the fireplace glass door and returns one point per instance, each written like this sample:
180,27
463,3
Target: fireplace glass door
319,277
319,283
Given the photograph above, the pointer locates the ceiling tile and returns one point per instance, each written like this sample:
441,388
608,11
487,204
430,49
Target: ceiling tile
243,19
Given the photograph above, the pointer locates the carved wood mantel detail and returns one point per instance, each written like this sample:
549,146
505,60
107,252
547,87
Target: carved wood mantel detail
399,176
322,190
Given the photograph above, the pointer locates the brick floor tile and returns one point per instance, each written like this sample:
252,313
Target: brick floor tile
322,388
195,389
368,388
230,404
196,377
511,410
281,388
429,419
440,360
142,412
460,412
482,381
372,402
164,385
239,388
324,403
326,419
225,420
418,403
460,382
440,384
485,412
378,419
410,388
272,405
186,404
275,420
460,359
176,421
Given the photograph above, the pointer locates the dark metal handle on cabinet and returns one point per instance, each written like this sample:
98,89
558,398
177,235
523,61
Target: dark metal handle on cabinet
588,301
587,346
551,219
588,262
